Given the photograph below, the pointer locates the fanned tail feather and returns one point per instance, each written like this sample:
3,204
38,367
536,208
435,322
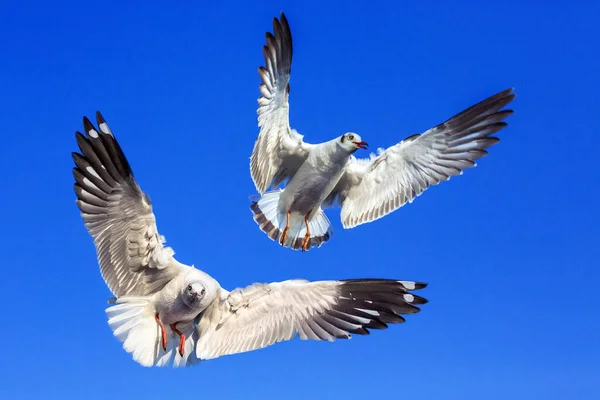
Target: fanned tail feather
132,320
272,222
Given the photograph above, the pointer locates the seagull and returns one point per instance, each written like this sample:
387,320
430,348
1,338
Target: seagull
323,175
171,314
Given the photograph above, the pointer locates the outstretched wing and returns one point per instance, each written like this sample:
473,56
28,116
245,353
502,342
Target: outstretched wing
279,150
371,189
263,314
118,215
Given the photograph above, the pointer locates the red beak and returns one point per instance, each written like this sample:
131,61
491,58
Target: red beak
361,145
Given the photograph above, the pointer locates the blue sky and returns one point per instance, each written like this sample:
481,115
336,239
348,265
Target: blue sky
510,249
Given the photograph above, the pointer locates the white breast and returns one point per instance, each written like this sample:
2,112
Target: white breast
315,179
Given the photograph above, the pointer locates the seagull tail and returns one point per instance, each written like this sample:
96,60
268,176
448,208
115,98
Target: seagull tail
272,222
133,322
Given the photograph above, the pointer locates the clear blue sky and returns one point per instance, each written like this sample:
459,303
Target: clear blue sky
510,249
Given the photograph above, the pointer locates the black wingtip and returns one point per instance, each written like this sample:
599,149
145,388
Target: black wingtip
102,125
283,21
87,125
505,92
100,118
79,136
507,112
508,94
418,300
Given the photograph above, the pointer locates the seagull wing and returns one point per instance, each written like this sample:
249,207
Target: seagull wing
118,215
372,188
279,150
263,314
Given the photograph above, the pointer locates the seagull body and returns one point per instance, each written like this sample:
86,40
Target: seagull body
170,314
300,201
315,179
322,175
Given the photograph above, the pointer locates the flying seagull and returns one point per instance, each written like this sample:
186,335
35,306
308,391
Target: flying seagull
322,175
170,314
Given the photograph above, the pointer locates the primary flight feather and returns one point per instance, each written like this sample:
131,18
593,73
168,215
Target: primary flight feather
171,314
321,175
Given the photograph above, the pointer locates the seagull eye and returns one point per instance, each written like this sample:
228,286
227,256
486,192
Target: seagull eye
189,287
350,137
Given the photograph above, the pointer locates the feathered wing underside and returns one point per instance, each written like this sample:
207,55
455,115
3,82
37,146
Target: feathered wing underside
372,188
263,314
279,150
118,215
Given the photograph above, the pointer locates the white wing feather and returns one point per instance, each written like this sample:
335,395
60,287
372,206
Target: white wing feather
118,215
372,188
279,150
264,314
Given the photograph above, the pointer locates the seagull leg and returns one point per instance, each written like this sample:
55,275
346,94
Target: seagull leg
181,339
163,332
306,241
286,230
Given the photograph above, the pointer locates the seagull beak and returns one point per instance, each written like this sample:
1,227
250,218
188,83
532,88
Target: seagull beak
361,145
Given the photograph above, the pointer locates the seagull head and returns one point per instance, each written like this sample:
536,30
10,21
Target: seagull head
193,293
351,142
